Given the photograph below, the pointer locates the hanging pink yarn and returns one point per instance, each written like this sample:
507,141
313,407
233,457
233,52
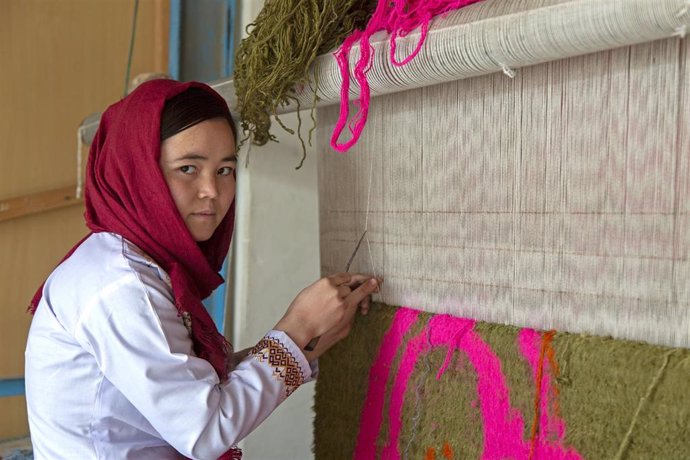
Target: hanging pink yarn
398,18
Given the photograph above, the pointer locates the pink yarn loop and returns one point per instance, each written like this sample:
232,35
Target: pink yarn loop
398,18
415,52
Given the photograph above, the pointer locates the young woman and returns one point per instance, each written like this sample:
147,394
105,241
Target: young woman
122,360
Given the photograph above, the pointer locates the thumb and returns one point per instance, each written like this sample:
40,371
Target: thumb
359,294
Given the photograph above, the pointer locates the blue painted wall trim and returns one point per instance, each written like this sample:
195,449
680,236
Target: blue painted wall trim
175,38
207,39
215,303
229,38
11,387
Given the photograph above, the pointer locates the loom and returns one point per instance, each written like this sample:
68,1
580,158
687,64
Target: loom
531,156
556,199
527,171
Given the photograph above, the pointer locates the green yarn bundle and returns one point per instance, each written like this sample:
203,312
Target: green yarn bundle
284,40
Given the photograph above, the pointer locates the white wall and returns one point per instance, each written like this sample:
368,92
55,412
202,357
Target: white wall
277,254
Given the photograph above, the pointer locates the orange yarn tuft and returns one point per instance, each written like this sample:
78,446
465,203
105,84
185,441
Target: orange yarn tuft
546,339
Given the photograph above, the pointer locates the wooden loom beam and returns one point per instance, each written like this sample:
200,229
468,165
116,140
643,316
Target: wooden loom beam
34,203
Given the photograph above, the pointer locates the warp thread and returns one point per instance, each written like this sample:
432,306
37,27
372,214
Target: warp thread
366,218
365,234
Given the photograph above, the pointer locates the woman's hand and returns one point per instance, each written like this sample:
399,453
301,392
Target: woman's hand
327,309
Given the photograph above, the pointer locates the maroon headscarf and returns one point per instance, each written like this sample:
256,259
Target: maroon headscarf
126,194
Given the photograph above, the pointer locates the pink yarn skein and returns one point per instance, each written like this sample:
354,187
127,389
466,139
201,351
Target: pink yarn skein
398,18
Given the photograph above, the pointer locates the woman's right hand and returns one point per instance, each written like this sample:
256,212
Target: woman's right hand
327,307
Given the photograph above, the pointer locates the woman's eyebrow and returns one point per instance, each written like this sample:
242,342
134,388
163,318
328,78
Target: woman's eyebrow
198,156
191,156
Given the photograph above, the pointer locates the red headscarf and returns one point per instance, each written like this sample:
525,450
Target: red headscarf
126,194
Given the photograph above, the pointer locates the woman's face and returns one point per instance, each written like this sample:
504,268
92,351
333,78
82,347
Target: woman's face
198,165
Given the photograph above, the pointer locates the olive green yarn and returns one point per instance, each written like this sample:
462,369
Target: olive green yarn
281,46
338,404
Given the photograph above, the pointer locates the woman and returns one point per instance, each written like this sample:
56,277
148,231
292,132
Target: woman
122,360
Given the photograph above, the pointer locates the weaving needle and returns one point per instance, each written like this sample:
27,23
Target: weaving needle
312,343
354,253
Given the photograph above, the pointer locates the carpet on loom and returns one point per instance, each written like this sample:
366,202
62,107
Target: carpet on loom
410,384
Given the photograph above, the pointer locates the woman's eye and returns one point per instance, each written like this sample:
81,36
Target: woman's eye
188,169
226,171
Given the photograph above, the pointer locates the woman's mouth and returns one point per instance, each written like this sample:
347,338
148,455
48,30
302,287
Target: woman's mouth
204,214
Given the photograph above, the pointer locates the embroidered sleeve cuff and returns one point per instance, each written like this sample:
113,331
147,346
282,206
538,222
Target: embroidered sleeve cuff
284,357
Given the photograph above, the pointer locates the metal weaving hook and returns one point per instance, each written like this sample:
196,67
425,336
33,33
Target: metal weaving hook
312,343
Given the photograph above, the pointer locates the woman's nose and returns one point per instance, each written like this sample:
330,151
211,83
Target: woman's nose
208,187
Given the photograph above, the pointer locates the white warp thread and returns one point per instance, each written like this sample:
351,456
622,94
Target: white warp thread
495,35
556,199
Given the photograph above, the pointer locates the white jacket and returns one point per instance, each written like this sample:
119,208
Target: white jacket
111,373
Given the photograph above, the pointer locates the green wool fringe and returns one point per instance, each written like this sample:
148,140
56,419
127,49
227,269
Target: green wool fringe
282,44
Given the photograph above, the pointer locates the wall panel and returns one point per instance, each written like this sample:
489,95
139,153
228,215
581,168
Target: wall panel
61,61
13,421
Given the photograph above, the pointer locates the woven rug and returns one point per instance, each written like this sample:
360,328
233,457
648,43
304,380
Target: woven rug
410,384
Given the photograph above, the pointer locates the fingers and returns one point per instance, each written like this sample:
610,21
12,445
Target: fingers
350,279
353,294
364,307
357,279
362,292
343,291
340,278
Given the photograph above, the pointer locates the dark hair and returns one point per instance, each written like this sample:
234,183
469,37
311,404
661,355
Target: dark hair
191,107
